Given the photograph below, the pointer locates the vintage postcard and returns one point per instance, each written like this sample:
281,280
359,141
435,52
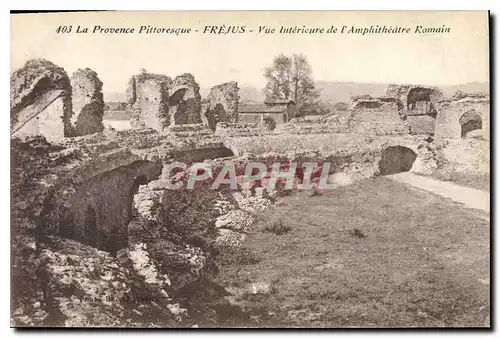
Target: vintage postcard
250,169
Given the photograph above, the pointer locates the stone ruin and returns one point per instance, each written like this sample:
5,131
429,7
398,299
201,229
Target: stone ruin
147,100
88,102
416,99
185,100
40,101
376,116
464,115
419,104
84,201
44,101
156,101
221,104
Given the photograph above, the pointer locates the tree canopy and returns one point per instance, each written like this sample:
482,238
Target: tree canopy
290,78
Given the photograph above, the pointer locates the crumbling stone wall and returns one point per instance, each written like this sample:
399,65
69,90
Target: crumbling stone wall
452,115
421,125
222,104
156,101
185,100
99,211
88,102
40,101
378,116
226,129
324,125
416,99
147,98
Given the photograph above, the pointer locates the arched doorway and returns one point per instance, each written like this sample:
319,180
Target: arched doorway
419,95
396,159
470,121
216,115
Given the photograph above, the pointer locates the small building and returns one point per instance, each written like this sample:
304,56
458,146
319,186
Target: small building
281,111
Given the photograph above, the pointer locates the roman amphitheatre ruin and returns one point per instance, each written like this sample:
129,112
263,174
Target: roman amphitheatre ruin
98,239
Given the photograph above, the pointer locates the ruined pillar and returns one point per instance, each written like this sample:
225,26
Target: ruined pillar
40,101
88,102
147,101
185,100
222,104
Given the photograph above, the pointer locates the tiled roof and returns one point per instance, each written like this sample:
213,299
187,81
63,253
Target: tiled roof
260,108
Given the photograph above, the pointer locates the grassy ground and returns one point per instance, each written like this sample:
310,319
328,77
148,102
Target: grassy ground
373,254
476,180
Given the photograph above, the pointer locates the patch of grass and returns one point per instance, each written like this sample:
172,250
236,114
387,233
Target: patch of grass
274,226
418,265
476,180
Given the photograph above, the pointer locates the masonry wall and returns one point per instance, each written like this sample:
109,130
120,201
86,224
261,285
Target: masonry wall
188,108
447,120
88,102
222,104
258,117
48,123
147,98
40,101
99,211
382,120
421,125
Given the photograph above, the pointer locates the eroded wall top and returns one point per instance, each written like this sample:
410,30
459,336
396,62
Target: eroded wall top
33,82
156,101
88,102
222,104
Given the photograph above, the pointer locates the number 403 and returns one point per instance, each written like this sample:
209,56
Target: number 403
63,29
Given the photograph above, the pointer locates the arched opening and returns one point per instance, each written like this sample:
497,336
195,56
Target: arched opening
216,115
100,210
419,99
175,103
470,121
396,159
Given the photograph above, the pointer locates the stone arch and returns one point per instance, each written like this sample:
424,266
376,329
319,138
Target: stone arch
175,101
101,208
469,121
216,115
417,94
396,159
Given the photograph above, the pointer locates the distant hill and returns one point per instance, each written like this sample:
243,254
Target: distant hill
332,91
471,87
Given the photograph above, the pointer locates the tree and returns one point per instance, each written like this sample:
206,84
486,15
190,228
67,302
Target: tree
290,78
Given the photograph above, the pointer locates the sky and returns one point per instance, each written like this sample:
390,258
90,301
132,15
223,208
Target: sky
457,57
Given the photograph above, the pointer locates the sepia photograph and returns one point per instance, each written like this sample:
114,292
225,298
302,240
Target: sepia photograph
250,169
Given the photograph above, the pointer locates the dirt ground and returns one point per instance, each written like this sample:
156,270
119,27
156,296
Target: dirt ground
373,254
